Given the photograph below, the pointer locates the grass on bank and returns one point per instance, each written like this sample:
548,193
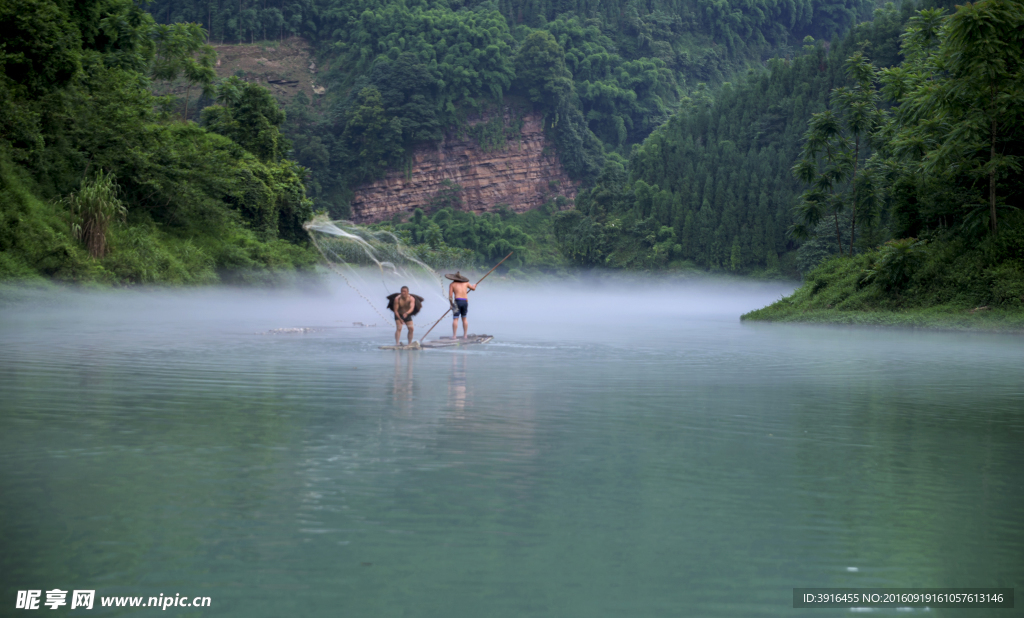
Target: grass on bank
38,242
935,318
942,281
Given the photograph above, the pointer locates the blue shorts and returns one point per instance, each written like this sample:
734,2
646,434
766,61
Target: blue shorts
461,308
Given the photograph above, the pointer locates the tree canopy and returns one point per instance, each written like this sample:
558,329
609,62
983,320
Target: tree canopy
826,152
605,73
87,154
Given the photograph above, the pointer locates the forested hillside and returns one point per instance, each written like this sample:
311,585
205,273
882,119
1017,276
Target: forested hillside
103,180
912,180
606,73
716,186
713,186
758,137
98,181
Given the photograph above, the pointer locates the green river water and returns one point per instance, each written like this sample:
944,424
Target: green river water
622,449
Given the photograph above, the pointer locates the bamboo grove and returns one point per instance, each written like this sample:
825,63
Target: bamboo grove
754,137
605,73
910,127
101,180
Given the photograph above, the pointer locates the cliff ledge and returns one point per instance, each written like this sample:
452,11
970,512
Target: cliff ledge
523,174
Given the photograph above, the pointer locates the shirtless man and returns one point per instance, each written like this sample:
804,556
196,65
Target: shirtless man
404,305
459,290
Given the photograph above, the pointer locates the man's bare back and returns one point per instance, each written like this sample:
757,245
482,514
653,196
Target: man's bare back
459,289
458,292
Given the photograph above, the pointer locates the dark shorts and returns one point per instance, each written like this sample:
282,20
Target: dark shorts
462,308
407,320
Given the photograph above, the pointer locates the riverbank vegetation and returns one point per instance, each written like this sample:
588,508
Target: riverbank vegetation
713,188
937,281
214,185
99,182
760,140
605,73
942,188
486,239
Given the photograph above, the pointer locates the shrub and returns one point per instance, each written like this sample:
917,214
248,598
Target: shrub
93,208
895,265
1007,285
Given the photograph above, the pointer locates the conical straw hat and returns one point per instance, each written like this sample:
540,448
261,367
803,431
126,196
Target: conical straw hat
457,277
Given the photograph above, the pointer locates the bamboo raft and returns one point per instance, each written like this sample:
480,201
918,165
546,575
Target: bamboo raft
443,342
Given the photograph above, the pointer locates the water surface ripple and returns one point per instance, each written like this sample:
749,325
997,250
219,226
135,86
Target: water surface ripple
618,450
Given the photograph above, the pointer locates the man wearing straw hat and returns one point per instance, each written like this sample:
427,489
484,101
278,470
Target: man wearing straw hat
459,290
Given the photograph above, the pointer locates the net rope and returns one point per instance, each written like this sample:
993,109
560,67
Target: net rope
357,253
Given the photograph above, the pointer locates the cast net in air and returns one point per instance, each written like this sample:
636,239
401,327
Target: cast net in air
369,260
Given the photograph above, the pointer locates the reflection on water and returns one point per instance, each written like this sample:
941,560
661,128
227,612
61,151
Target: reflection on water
457,383
652,456
403,387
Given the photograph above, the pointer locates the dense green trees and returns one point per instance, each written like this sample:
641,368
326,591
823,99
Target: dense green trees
714,185
86,154
234,21
832,153
402,74
181,52
889,137
605,73
541,72
485,239
542,76
248,114
488,237
943,176
961,93
735,25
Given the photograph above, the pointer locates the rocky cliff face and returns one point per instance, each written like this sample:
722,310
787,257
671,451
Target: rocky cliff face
523,174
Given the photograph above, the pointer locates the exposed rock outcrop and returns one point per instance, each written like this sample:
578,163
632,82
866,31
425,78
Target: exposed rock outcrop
523,175
285,67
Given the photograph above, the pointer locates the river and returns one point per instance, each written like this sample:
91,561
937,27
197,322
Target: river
623,447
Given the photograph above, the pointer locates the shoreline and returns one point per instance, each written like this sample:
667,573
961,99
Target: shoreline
939,318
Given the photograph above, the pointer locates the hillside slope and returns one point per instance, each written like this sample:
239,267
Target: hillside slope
100,181
518,170
603,74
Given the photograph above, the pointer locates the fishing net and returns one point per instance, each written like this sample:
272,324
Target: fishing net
369,260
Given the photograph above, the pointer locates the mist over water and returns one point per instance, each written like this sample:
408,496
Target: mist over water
624,447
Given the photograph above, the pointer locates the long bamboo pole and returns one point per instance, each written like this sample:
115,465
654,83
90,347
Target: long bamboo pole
477,283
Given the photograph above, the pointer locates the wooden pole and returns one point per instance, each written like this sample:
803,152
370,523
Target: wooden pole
477,283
